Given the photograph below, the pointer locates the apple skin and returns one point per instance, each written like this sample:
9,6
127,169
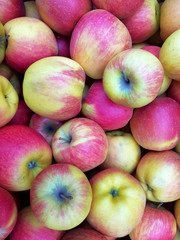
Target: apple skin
27,227
111,116
62,99
62,15
2,43
28,153
61,196
31,9
80,142
177,148
9,101
167,81
22,115
174,91
144,22
128,84
159,174
63,43
177,211
121,9
45,126
9,212
123,198
169,22
156,223
97,37
170,57
156,125
11,9
177,235
24,47
123,151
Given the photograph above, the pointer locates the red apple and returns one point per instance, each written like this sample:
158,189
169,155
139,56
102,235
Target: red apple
63,43
174,91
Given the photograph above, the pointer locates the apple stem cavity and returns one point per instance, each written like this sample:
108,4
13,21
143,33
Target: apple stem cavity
125,77
5,38
114,193
64,197
149,188
32,164
66,140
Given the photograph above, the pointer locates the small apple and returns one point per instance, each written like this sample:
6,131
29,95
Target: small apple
80,142
159,174
177,211
23,154
128,84
61,196
31,9
9,101
174,91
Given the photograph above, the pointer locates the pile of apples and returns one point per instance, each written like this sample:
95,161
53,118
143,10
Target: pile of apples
90,119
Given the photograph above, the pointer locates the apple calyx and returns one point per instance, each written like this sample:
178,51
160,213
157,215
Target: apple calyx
126,79
32,164
5,38
149,188
114,193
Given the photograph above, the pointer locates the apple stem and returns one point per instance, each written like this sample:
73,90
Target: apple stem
159,205
5,38
65,197
124,76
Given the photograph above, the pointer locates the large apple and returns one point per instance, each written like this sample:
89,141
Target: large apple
23,154
159,174
30,40
118,202
174,91
130,85
156,223
11,9
61,196
56,91
98,107
177,211
144,22
97,37
27,227
80,142
170,57
9,212
123,151
62,15
119,8
156,125
8,101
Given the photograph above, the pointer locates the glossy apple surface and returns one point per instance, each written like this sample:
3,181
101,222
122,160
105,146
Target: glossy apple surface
61,196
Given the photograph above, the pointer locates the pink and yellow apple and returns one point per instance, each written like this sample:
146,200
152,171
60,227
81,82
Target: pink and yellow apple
98,107
156,125
127,84
30,40
62,15
23,154
97,37
61,196
80,142
177,211
9,212
56,91
118,202
159,174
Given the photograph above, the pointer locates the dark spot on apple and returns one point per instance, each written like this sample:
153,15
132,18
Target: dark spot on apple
149,188
114,193
32,164
5,96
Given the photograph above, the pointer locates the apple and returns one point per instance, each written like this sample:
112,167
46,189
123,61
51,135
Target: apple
56,91
97,37
30,40
156,125
167,81
159,174
27,227
62,15
119,8
63,43
169,22
22,115
177,211
127,84
177,235
8,216
170,57
31,9
9,101
118,202
11,75
11,9
23,154
45,126
156,223
123,151
144,22
61,196
98,107
80,142
174,91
